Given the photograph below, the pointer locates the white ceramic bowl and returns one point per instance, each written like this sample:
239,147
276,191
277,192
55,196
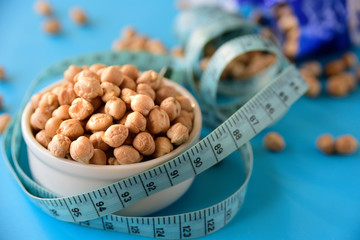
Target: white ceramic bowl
66,177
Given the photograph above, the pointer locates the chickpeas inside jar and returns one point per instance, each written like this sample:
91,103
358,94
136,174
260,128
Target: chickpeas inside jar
92,117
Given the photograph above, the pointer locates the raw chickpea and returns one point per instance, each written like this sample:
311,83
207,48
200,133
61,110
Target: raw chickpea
138,43
110,90
290,48
184,113
325,143
42,7
334,67
39,118
162,146
346,144
97,140
70,73
62,112
66,95
5,119
172,107
314,84
98,158
123,120
145,89
95,102
2,73
112,161
126,95
184,103
178,134
99,122
97,66
274,142
142,104
178,52
42,138
336,87
155,46
349,59
158,121
135,122
129,139
59,146
80,109
49,101
71,128
130,70
87,87
115,107
348,79
144,143
52,125
51,26
128,33
35,99
86,73
101,109
127,155
81,150
115,135
163,93
111,74
128,83
313,67
78,16
186,121
150,77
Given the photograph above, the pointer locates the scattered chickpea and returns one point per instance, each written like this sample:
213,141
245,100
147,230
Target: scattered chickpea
155,46
115,107
162,146
98,158
87,87
52,125
142,104
97,140
35,99
66,95
113,75
164,92
158,121
39,118
43,138
62,112
274,142
150,77
172,107
334,67
348,79
71,72
59,146
127,155
115,135
144,143
178,134
71,128
313,67
78,16
2,73
135,122
325,143
51,26
346,144
80,109
178,52
5,119
130,70
99,122
81,150
49,101
145,89
110,90
42,7
128,83
349,59
336,87
314,84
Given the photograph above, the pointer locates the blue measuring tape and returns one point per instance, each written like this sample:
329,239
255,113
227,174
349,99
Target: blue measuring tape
239,122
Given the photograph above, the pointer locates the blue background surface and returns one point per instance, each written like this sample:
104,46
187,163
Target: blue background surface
296,194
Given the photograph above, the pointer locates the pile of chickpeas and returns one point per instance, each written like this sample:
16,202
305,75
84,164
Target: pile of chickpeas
111,115
243,66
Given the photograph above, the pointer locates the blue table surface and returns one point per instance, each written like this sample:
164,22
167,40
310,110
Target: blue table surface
296,194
